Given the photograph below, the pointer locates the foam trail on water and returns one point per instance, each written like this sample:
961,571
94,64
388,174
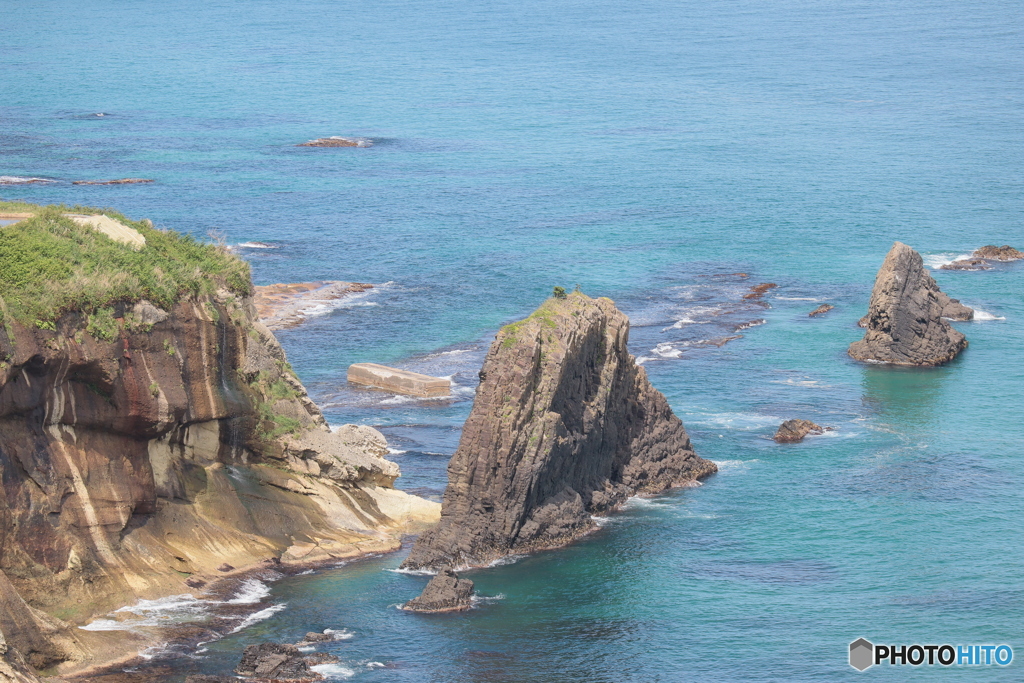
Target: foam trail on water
983,315
257,617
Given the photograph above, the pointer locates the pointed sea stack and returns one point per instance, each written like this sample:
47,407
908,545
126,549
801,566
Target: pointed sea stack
906,321
565,425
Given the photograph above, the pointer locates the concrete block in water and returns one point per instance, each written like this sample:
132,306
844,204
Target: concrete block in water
398,381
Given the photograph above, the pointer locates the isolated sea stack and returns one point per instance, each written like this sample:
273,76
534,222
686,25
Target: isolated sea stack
907,317
565,425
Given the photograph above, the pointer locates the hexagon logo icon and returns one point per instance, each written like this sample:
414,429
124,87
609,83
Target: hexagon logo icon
862,654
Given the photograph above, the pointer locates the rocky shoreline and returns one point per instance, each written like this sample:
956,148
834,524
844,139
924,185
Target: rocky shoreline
286,305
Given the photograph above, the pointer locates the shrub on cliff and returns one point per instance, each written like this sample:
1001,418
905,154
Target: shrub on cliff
50,265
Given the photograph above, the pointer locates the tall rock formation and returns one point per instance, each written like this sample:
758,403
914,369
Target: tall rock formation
142,451
906,321
565,425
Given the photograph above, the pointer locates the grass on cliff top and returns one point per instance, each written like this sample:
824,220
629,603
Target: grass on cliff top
50,265
544,315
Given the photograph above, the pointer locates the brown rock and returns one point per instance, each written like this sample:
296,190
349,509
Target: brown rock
128,461
1003,253
337,142
792,431
820,310
906,321
967,264
565,425
446,592
757,291
283,306
120,181
276,662
206,678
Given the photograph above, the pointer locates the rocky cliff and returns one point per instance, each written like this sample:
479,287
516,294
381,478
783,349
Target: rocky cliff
143,448
565,425
907,316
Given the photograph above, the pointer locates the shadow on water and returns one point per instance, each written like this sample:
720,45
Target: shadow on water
906,396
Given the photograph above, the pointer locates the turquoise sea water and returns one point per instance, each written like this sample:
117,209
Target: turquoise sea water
646,151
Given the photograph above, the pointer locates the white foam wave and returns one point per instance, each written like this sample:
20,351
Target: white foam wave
375,665
739,421
602,521
173,609
486,599
666,350
508,559
413,572
334,672
395,451
22,180
257,617
340,633
936,261
250,592
679,324
983,315
256,245
733,465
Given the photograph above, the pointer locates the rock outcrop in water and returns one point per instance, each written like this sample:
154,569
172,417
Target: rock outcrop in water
792,431
986,257
446,592
565,425
141,455
906,321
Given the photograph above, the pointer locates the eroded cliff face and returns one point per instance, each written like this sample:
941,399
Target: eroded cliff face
565,425
134,465
907,316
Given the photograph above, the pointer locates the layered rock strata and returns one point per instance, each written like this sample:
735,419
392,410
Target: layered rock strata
907,316
140,463
565,425
446,592
820,310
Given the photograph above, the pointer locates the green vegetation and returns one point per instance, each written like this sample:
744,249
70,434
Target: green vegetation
102,324
50,265
559,293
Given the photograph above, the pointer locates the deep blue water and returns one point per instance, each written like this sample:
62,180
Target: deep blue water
639,150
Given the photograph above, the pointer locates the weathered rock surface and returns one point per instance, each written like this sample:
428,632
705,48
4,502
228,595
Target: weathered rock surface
398,381
337,141
792,431
446,592
758,291
906,321
820,310
143,465
985,258
285,305
565,425
276,662
1003,253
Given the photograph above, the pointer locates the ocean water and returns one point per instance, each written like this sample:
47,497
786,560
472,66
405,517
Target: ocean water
649,152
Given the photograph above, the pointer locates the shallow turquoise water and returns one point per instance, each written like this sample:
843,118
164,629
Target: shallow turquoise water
636,150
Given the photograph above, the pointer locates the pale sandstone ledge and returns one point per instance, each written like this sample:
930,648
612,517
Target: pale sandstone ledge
398,381
286,305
